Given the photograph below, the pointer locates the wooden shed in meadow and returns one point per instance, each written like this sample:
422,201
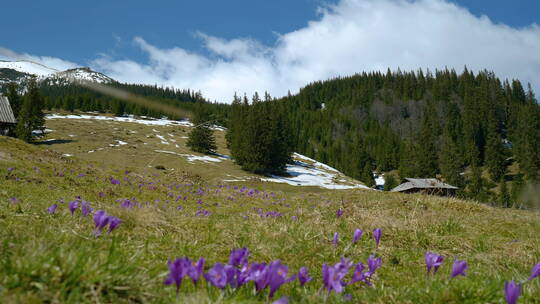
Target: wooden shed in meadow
7,119
427,186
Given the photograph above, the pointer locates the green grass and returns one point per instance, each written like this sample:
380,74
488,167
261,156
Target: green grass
57,259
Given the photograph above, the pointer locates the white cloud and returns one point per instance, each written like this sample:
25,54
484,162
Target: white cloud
349,37
51,62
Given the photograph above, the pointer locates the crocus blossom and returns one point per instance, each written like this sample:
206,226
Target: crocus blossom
535,272
52,208
459,268
277,276
357,235
73,205
85,208
113,223
433,261
511,292
377,235
373,264
239,257
177,270
196,270
303,276
217,276
336,239
339,212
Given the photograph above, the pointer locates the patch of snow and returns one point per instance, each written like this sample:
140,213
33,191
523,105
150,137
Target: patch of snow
71,135
121,143
163,140
28,67
379,179
91,151
148,122
315,174
67,155
192,158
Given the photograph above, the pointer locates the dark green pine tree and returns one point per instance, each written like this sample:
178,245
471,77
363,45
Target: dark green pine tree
390,182
201,138
367,175
427,151
528,138
31,116
504,196
450,162
495,159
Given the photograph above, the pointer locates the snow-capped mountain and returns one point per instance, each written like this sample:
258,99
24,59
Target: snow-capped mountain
20,71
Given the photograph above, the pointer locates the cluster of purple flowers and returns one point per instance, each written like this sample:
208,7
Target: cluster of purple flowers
102,219
334,276
236,273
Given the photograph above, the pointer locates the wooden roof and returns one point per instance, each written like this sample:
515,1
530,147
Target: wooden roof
6,114
422,183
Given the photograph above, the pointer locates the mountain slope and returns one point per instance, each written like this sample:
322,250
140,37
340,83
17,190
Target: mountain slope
20,71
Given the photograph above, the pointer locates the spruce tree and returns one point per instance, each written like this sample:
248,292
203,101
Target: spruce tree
495,153
31,116
390,182
201,138
450,162
504,196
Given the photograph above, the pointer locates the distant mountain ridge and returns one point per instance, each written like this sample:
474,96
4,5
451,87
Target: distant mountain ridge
22,70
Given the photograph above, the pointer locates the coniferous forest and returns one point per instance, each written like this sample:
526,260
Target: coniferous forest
473,130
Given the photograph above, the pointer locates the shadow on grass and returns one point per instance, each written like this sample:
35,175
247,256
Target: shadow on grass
54,142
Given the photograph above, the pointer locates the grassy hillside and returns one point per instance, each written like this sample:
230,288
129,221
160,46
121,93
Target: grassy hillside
187,210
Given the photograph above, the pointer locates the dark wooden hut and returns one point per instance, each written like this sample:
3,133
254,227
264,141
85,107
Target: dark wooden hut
7,120
427,186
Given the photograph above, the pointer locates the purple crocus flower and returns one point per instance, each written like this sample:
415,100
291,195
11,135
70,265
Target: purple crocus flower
195,271
259,275
357,235
377,235
73,205
113,222
277,276
115,181
511,292
373,264
52,208
459,268
217,276
294,218
101,219
233,274
303,276
332,278
177,270
282,300
359,274
101,194
239,257
339,212
10,169
535,272
86,209
434,261
336,239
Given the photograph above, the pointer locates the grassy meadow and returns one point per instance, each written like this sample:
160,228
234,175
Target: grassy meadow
56,258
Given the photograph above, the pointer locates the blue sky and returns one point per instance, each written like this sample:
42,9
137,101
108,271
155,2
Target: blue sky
79,30
163,41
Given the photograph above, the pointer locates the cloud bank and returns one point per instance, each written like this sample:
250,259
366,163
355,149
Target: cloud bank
51,62
349,37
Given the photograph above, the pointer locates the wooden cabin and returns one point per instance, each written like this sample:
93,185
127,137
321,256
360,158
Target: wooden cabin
7,119
427,186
